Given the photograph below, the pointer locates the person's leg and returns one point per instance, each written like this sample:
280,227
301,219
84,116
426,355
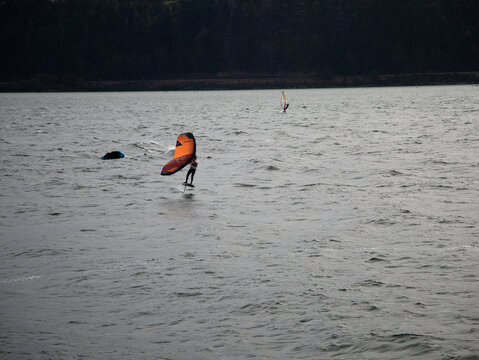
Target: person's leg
188,175
192,176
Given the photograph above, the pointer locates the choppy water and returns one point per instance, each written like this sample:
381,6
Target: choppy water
345,228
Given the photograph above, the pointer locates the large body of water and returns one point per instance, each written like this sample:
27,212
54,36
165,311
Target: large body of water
346,228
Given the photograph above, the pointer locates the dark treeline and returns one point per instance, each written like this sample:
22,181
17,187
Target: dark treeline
155,39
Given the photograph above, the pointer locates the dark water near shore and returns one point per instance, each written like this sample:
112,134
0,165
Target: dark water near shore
346,227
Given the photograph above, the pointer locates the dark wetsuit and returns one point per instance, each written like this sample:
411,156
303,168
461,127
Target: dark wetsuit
192,170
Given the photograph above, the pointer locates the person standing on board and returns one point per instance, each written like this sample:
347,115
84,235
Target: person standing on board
192,170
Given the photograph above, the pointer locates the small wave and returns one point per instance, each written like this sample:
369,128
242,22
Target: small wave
394,173
440,186
188,294
266,306
21,279
41,252
244,185
80,187
441,162
123,177
313,184
238,132
375,259
370,282
385,222
402,337
413,344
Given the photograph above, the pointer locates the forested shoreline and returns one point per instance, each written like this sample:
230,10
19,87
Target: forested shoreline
79,44
41,82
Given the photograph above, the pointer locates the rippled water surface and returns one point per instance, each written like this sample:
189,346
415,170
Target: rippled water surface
345,228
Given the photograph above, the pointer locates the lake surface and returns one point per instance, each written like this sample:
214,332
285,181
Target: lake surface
346,228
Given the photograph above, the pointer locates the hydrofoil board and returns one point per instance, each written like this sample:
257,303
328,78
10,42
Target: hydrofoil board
185,187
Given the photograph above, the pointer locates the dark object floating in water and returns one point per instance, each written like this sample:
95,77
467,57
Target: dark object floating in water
113,155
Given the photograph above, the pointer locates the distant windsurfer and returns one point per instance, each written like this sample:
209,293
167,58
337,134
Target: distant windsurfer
284,104
192,170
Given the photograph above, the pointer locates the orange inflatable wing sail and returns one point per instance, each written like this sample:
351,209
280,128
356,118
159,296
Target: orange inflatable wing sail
185,150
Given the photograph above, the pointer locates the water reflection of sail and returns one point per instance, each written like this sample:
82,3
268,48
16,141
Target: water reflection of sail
184,152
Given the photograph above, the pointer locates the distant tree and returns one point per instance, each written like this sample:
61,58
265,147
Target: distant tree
147,39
